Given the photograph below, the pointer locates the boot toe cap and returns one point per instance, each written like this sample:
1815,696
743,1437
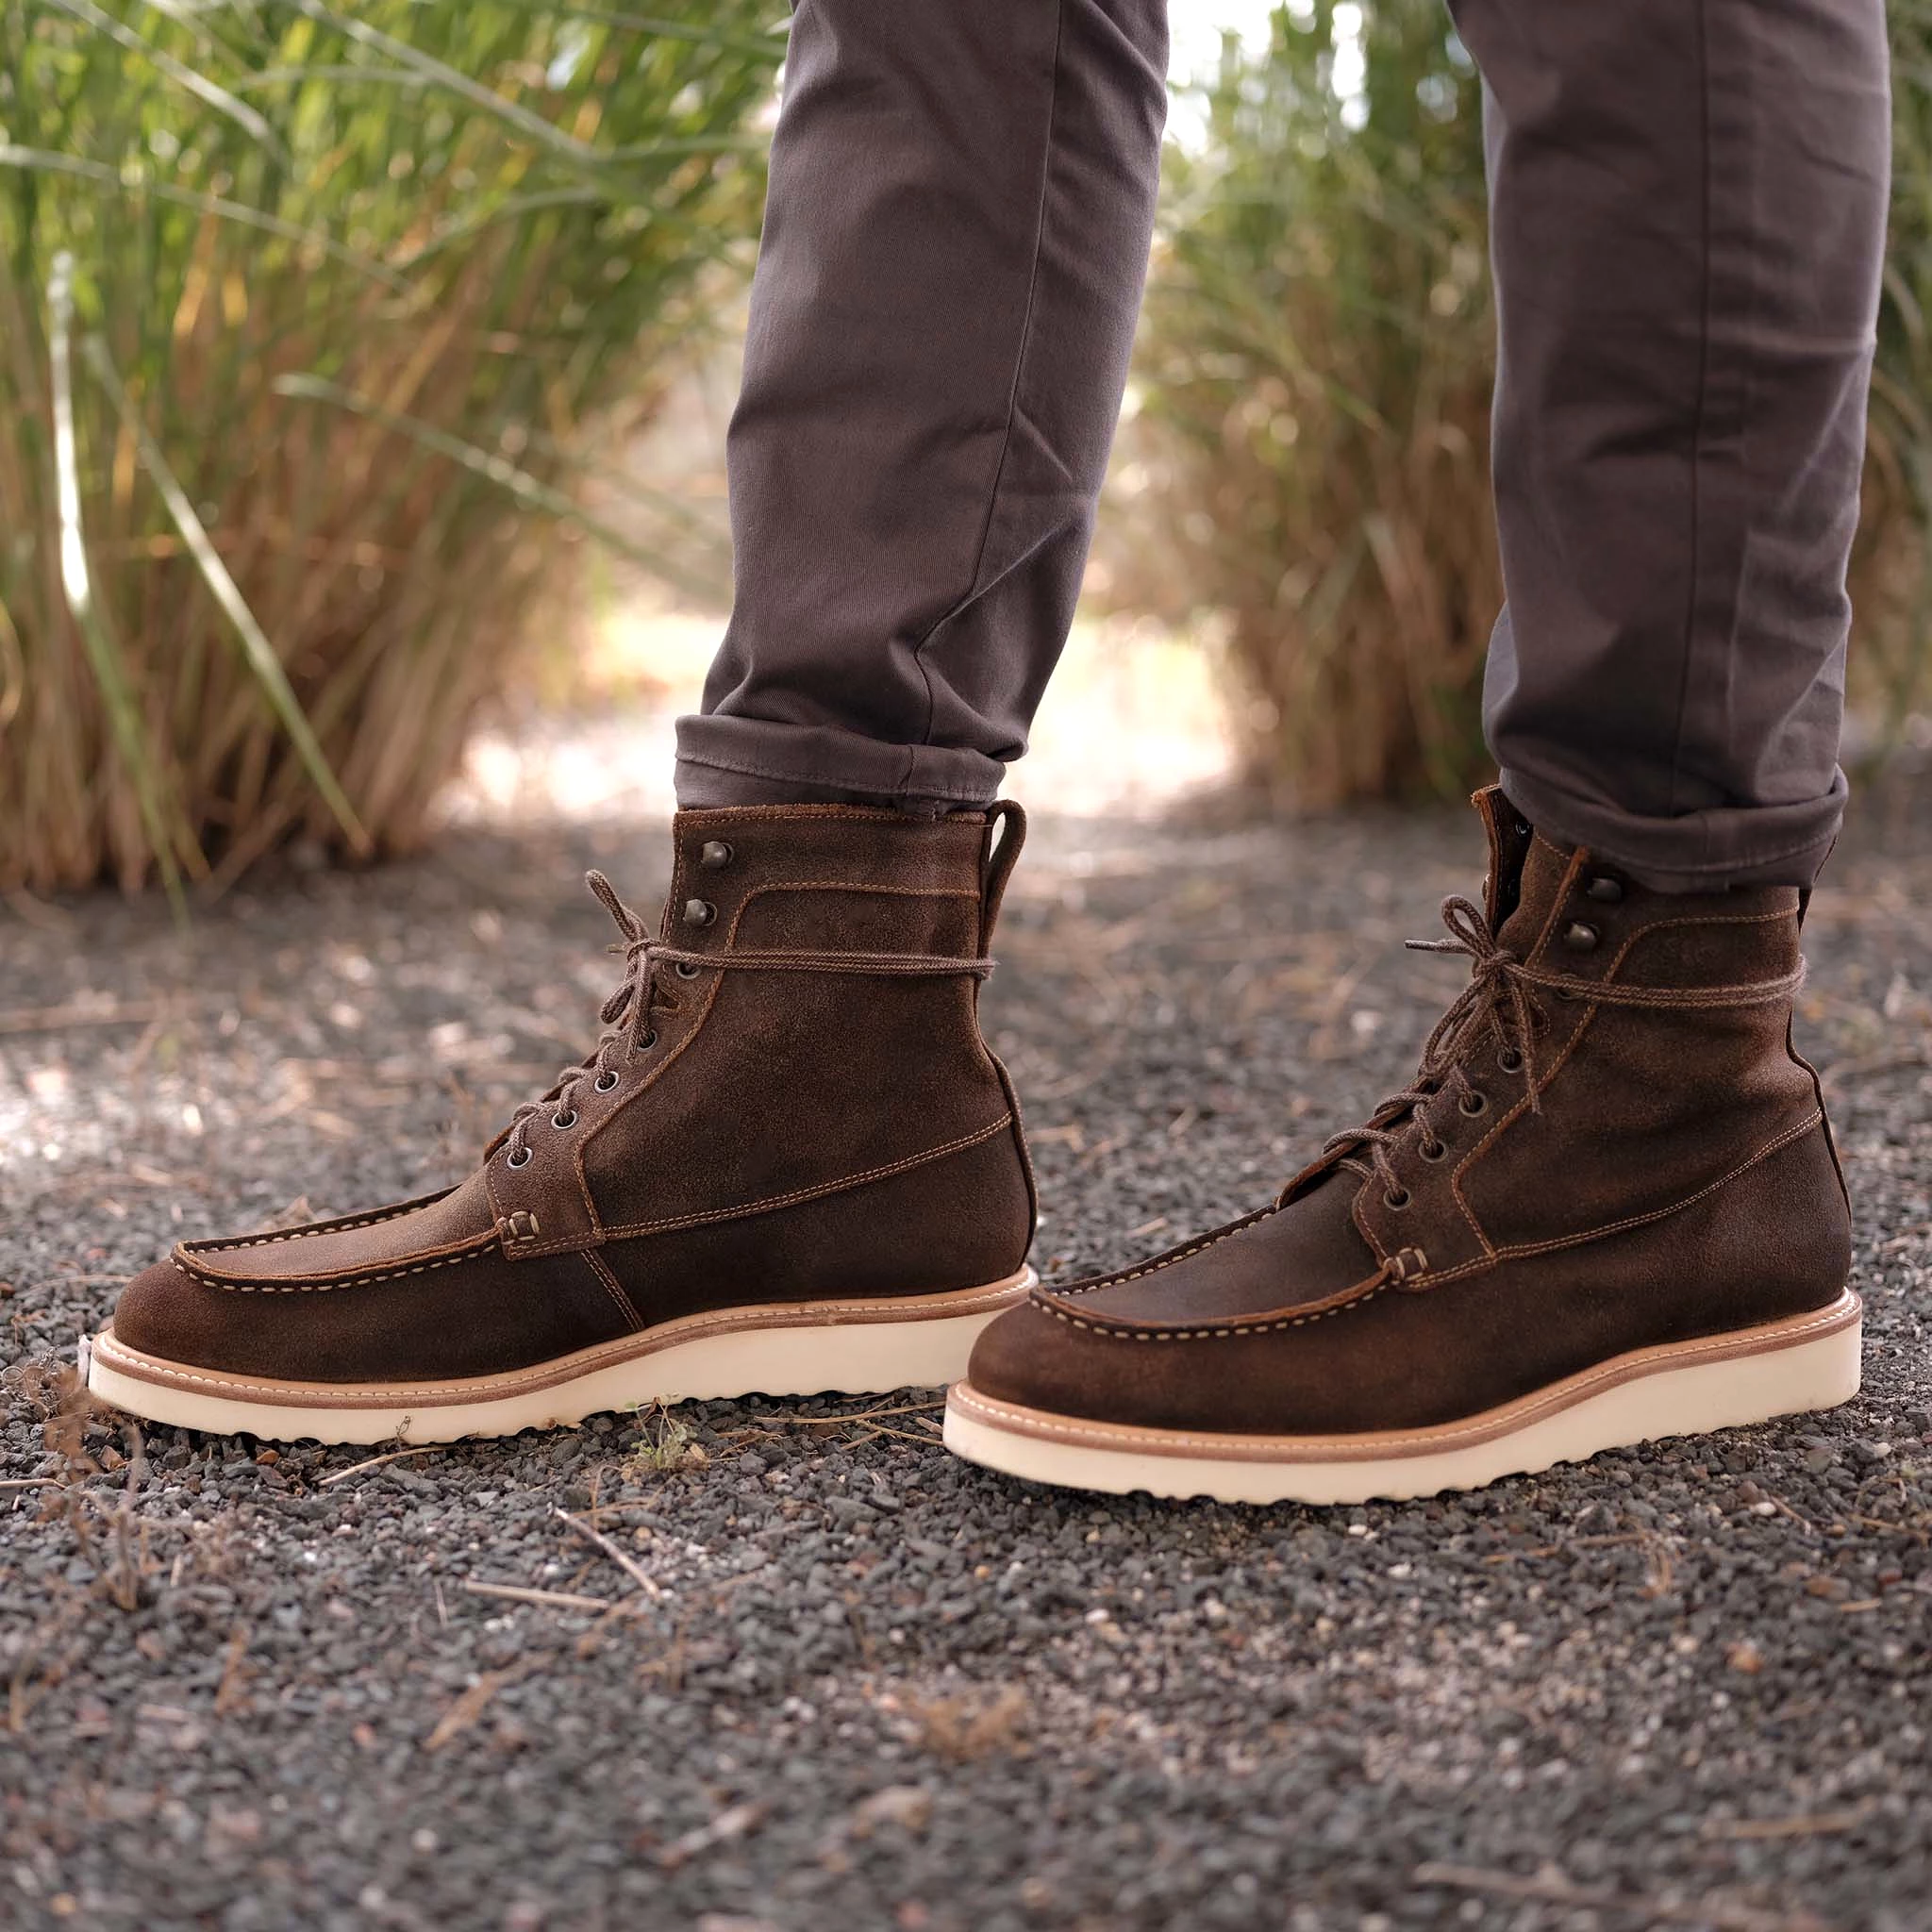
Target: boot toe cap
163,1311
1038,1356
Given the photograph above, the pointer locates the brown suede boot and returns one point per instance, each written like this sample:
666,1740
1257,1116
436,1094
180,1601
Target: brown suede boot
790,1165
1607,1209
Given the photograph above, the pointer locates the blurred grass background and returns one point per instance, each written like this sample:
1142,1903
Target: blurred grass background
313,326
1304,468
347,359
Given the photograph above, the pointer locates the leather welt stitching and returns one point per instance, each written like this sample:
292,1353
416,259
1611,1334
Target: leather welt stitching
1447,1435
1042,1300
726,1321
814,1193
469,1254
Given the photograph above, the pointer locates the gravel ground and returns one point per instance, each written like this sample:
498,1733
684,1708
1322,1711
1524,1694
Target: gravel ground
813,1674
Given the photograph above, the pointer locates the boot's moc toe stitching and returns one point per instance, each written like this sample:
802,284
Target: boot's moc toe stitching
790,1165
1606,1209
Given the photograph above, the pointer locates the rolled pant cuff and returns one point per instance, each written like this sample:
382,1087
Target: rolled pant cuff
1696,852
713,752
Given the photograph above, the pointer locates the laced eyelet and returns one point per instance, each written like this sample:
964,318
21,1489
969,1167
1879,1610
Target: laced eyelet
606,1080
1397,1198
1433,1150
1511,1059
686,970
522,1159
648,1042
1472,1102
564,1120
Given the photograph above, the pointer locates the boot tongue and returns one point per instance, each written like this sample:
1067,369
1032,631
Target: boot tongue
1539,886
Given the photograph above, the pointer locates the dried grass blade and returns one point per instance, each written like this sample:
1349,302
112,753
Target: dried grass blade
260,654
77,584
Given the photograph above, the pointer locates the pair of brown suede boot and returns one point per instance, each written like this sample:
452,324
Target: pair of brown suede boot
1606,1209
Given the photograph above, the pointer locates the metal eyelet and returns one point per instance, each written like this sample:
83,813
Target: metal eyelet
716,855
606,1080
1511,1059
686,970
1472,1102
648,1042
1433,1150
1604,889
522,1159
699,912
1579,935
564,1120
1397,1198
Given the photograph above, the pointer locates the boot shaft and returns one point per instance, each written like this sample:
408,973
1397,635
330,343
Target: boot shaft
871,1067
1609,1108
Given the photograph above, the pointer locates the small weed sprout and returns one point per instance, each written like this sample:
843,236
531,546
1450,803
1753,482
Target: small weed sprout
663,1447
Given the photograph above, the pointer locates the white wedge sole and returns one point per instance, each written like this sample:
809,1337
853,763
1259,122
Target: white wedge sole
1717,1382
805,1348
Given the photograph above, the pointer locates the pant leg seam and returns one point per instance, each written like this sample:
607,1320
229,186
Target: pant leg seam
1699,422
1019,374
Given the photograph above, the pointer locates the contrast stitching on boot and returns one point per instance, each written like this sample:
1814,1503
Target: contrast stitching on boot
313,1229
469,1254
1525,1250
1043,1299
613,1288
1166,1260
1573,865
672,1223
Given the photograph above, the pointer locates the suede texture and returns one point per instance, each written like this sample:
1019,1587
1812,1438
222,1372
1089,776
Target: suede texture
1675,1179
773,1126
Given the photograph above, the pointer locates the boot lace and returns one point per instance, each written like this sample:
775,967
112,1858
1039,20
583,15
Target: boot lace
627,1013
1500,1004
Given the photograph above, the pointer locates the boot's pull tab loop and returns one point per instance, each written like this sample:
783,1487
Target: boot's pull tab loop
1006,831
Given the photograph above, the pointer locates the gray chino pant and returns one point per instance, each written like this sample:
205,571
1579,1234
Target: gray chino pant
1688,210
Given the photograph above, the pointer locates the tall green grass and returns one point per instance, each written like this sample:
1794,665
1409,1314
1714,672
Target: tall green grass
311,322
1315,366
1310,459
